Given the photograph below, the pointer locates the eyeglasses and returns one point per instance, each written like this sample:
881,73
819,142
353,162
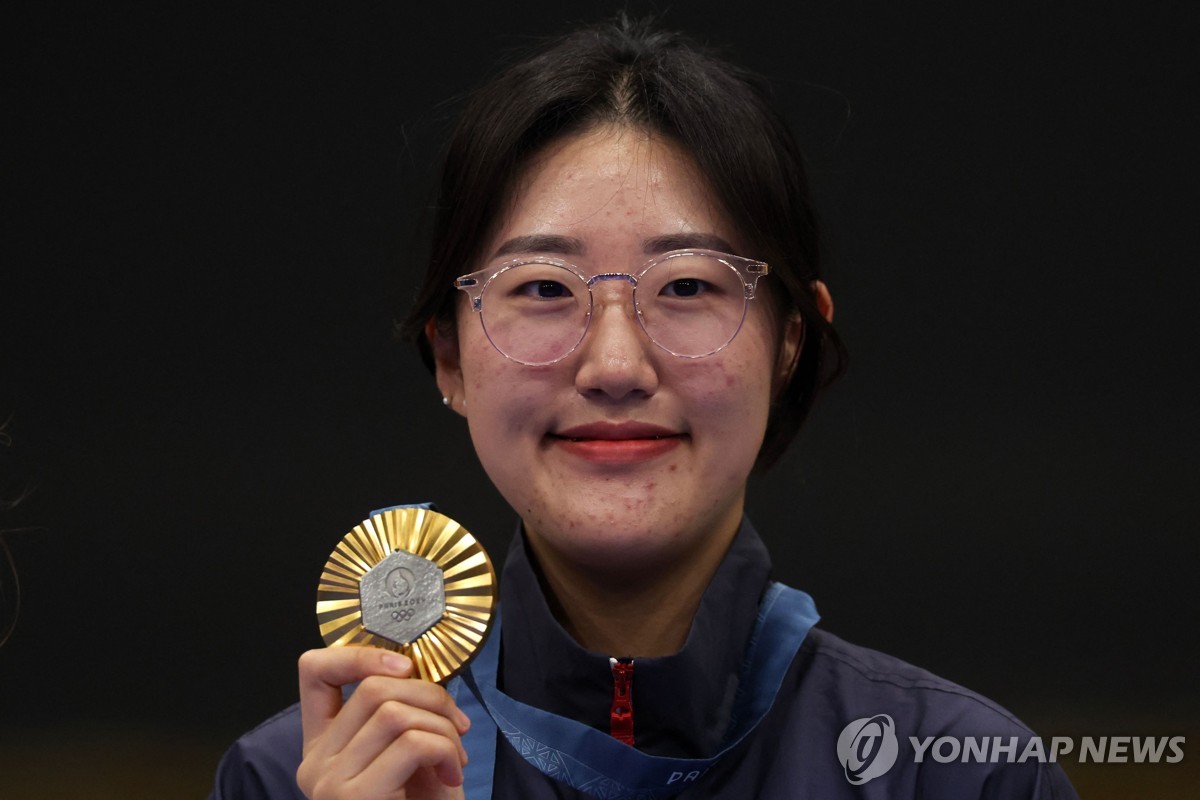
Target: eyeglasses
690,303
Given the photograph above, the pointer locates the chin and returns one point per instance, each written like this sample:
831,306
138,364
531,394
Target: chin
606,550
619,533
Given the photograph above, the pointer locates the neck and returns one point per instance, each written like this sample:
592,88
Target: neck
645,613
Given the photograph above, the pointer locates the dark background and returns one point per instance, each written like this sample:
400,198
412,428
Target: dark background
213,218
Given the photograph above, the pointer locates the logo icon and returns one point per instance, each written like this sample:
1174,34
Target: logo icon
400,582
867,748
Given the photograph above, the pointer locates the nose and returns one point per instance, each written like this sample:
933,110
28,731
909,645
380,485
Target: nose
616,358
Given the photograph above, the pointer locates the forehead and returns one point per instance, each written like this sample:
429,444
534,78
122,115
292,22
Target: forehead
610,187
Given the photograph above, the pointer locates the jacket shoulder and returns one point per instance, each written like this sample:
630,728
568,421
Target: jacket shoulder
859,675
854,686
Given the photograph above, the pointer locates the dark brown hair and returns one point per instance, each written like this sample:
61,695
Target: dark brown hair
630,73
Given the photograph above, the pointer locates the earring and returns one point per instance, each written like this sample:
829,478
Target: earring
446,401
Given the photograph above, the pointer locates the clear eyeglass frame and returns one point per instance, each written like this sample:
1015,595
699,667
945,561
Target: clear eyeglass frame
748,270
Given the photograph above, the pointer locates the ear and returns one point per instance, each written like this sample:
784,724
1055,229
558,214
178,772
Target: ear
824,300
443,341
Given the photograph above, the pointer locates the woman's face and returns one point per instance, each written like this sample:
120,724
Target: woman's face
621,455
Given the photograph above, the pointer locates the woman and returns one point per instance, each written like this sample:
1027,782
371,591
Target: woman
632,171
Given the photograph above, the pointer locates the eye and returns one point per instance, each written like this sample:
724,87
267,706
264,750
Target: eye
544,290
685,287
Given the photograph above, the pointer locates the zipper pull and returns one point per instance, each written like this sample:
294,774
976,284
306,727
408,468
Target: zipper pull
621,716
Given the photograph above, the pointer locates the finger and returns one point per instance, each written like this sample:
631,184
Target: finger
376,691
391,721
324,672
402,761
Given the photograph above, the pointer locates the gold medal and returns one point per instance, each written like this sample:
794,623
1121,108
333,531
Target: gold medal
413,581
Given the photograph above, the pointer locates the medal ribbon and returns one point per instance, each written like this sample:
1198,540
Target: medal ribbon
594,762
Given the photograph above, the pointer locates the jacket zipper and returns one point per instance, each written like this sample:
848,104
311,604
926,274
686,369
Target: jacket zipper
621,716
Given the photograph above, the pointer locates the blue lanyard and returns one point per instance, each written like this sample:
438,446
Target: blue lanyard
592,761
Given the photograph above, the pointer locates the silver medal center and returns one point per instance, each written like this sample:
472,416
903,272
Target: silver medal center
402,597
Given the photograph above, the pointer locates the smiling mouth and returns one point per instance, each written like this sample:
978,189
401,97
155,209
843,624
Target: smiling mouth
613,444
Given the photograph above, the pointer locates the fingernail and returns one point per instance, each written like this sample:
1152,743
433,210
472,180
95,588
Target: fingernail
464,722
396,662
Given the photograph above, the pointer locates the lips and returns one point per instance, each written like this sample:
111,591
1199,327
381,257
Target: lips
617,442
615,431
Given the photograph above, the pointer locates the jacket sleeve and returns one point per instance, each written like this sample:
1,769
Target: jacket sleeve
262,764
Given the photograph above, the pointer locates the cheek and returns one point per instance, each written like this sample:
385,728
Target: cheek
487,375
504,404
741,374
731,395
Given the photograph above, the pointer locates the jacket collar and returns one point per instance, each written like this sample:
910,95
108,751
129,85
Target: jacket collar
682,702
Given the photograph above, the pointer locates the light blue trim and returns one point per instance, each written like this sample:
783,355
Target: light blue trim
479,740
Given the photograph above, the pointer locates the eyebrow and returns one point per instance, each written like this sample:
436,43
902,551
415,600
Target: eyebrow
686,241
570,246
541,243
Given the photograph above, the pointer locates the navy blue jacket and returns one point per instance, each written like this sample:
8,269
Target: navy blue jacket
683,703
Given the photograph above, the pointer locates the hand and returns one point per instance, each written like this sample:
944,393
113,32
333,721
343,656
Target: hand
396,737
